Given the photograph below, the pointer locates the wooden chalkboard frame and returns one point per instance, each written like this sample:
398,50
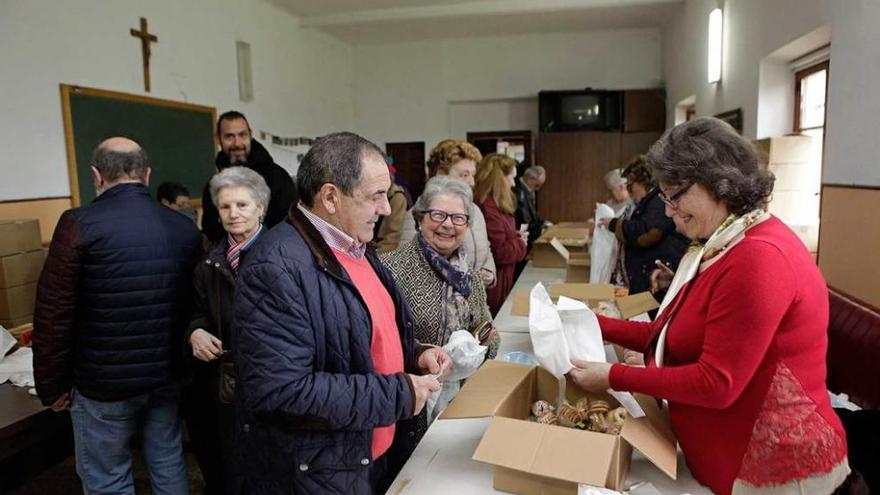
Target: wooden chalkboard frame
69,138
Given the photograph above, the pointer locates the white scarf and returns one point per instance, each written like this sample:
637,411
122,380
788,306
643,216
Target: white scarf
729,230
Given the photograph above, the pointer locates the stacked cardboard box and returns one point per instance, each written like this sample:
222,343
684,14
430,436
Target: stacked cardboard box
21,260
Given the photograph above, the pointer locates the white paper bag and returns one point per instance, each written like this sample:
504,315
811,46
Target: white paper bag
603,249
581,329
545,330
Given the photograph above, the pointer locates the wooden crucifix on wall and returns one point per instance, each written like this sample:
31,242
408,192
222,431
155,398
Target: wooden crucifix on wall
146,38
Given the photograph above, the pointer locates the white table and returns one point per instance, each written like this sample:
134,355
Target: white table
442,463
506,322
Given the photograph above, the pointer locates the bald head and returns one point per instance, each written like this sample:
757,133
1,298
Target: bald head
117,160
119,145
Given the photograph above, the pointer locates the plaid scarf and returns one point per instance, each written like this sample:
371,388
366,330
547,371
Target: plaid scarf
235,250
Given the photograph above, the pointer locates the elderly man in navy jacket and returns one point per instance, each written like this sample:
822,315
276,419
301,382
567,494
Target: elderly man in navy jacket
328,366
112,301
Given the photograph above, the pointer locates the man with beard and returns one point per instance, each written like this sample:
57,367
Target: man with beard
238,148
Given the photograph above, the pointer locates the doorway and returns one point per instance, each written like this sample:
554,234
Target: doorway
409,160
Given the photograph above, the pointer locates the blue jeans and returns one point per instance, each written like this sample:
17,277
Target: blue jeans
103,434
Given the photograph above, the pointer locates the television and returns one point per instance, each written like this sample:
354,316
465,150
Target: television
587,109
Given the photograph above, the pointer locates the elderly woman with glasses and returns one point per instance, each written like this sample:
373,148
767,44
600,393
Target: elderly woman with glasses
441,288
738,349
648,235
241,197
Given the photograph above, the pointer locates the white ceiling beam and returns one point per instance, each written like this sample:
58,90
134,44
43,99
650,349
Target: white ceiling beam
484,8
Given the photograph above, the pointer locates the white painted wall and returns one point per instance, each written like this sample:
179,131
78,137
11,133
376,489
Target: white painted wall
852,147
753,30
427,91
302,78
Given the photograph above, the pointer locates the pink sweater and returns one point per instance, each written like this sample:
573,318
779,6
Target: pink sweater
385,346
744,367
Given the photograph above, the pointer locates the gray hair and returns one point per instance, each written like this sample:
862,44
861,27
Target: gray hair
335,159
709,152
240,177
614,179
443,185
117,165
534,172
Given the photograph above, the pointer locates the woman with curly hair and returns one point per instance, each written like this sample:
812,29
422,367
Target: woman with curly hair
738,349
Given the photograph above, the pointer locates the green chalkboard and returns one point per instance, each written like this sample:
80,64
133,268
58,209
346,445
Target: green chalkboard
178,137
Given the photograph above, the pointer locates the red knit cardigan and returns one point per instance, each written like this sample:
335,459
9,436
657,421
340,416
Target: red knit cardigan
744,366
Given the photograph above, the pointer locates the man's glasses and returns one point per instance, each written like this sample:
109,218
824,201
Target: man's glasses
672,201
439,216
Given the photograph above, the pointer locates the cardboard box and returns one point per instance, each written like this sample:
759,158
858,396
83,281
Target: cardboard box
578,270
21,268
574,239
636,304
18,301
591,294
11,323
19,236
537,459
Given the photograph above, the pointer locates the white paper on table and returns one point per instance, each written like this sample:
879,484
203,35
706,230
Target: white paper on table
545,329
7,341
595,490
581,329
603,248
18,368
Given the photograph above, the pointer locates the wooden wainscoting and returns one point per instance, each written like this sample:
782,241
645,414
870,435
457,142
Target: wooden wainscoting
849,241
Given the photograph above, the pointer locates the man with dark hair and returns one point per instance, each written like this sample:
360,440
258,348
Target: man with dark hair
238,147
176,196
112,302
326,358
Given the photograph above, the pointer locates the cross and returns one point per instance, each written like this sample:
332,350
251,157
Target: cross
146,39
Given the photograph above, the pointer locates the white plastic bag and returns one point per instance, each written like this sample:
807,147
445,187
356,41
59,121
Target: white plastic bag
467,355
603,249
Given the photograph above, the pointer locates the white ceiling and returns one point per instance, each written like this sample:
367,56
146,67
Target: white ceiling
387,21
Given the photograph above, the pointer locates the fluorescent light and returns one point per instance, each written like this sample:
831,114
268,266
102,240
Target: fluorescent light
716,31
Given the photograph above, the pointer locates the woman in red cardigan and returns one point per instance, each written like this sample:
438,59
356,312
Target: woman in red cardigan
494,195
738,348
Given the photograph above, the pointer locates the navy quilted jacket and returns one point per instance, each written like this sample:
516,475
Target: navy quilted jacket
309,398
113,297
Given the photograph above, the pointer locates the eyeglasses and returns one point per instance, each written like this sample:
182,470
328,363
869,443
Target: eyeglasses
672,201
439,216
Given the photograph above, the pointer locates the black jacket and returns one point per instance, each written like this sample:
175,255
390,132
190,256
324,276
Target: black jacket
308,396
648,235
527,211
114,297
280,185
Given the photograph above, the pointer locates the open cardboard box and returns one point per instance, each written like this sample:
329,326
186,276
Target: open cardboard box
537,459
574,239
591,294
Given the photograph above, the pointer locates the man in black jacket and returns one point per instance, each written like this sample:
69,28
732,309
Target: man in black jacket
112,302
526,186
237,147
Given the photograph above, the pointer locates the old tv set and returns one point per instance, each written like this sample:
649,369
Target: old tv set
587,109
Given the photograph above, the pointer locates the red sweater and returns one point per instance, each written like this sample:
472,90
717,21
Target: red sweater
744,366
507,247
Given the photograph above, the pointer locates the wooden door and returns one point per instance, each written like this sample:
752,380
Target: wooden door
409,160
576,163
